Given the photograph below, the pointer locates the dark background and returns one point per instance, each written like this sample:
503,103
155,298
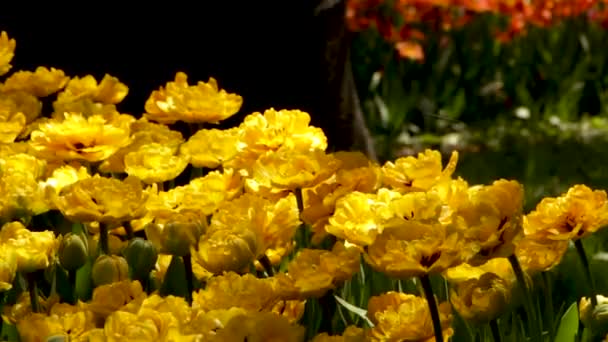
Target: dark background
271,53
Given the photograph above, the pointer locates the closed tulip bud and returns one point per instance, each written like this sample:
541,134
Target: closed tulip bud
226,250
176,237
73,252
141,256
109,269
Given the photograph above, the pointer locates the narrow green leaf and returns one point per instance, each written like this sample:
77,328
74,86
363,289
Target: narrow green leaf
356,310
568,328
175,279
84,283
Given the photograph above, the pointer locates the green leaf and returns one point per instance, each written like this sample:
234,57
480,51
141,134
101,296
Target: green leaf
175,279
356,310
63,285
9,332
84,283
568,328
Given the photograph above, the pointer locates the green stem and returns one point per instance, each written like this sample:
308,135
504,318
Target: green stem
299,201
129,230
583,256
549,295
33,289
189,276
303,233
72,281
495,330
530,311
103,239
430,298
267,265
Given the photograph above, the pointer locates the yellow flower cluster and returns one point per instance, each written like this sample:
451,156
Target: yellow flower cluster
258,203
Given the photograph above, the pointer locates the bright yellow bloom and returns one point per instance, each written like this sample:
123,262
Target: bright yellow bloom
142,133
540,255
154,163
274,222
101,199
275,129
286,170
272,130
594,318
405,317
418,173
492,219
454,194
415,243
18,110
208,192
109,91
360,217
313,272
21,195
12,149
76,137
12,123
33,250
112,297
356,174
202,195
26,103
574,215
63,319
7,52
22,308
200,103
207,323
225,250
293,310
40,83
8,268
144,326
261,327
233,290
176,306
352,333
62,177
85,106
210,148
481,294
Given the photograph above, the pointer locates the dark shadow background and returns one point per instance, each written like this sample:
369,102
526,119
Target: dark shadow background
271,53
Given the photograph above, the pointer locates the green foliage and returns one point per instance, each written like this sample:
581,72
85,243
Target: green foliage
568,328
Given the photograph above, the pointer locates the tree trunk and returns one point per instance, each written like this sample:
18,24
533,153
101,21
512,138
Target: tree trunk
340,108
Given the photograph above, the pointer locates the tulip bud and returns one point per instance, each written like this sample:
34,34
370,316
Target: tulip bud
227,250
596,318
141,256
73,252
176,236
109,269
179,236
